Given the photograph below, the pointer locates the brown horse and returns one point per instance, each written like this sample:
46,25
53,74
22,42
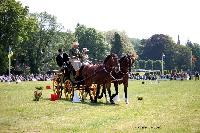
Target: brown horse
100,74
122,76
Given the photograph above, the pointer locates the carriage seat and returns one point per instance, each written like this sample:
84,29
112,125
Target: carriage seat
76,64
57,72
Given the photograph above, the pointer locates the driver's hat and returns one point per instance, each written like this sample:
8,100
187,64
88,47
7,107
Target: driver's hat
85,50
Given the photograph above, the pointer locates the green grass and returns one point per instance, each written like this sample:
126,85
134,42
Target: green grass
170,106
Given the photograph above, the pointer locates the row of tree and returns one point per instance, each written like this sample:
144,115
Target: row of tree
185,57
148,65
35,39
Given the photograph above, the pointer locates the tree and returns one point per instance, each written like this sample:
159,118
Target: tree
195,48
182,57
93,40
158,44
40,48
120,43
136,65
136,44
142,64
21,56
117,45
157,64
149,64
12,28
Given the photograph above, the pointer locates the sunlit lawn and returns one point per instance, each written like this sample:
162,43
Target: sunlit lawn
170,106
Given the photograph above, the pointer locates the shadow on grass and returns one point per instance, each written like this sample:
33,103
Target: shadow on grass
99,104
88,102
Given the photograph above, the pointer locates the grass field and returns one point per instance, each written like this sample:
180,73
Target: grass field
170,106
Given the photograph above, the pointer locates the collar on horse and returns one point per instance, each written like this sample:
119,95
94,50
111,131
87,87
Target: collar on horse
110,73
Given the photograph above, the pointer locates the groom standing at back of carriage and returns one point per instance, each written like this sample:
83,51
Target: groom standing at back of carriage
62,58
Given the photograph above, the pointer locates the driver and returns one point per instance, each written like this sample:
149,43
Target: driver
75,56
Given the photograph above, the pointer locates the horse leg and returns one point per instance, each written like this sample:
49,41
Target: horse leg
97,93
83,95
102,92
125,92
88,91
65,92
61,92
109,93
115,97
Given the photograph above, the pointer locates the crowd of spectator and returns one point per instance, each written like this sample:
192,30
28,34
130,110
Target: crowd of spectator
47,77
31,77
175,76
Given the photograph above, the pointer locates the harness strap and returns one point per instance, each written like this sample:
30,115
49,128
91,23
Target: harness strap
95,72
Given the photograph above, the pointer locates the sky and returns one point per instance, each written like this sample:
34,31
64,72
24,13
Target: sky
138,18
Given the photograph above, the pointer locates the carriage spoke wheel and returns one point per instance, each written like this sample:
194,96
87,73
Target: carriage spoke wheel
93,90
54,85
69,90
57,87
59,91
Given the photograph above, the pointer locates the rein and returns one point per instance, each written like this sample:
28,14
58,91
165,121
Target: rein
104,68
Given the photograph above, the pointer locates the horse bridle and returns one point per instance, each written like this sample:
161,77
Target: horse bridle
130,62
110,73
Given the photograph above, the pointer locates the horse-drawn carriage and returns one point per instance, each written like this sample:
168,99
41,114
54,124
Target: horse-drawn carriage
68,80
88,78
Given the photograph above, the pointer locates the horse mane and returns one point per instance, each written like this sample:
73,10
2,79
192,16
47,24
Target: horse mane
122,58
106,59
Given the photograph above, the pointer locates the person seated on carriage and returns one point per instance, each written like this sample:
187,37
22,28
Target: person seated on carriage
75,56
62,59
85,57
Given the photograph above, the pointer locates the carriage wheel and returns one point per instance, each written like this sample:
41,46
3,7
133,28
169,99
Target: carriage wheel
69,90
57,87
54,85
82,92
93,89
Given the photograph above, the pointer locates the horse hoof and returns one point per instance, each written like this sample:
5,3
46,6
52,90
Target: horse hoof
99,97
107,102
126,100
112,102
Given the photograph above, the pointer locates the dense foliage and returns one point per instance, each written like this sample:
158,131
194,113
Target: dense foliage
93,40
14,28
176,56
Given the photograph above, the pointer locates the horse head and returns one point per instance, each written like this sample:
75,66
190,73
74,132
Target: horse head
111,63
126,62
132,58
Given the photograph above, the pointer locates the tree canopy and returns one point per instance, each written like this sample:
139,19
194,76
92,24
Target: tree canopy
93,40
35,39
13,28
